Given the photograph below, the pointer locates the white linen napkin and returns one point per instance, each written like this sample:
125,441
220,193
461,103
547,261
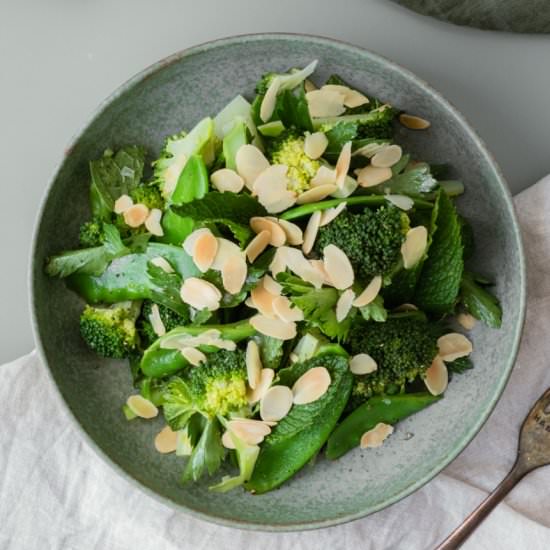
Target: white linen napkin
56,494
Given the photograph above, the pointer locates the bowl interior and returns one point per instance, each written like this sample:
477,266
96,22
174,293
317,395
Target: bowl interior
175,94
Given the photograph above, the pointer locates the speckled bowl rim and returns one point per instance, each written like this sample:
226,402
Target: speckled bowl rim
466,128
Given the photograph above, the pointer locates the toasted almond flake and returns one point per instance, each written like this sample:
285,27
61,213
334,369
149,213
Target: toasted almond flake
376,437
227,440
293,232
317,193
370,293
284,309
270,99
311,231
135,215
204,251
250,162
466,320
271,189
309,86
277,233
234,272
194,356
342,164
249,431
331,213
278,264
355,99
325,103
319,266
324,176
122,204
200,294
413,122
276,403
274,327
141,407
401,201
369,150
312,385
166,440
161,262
372,175
437,377
227,180
414,246
253,364
295,260
266,378
387,157
257,245
191,240
181,341
156,321
315,145
271,285
362,363
152,223
226,249
262,300
338,267
344,304
453,346
406,307
287,199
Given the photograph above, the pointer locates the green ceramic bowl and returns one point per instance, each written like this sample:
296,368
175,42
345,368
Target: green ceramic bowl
176,93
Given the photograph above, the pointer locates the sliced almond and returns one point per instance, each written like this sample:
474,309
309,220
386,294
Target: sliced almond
270,99
156,321
401,201
344,304
405,307
338,267
324,176
276,403
200,294
319,266
387,157
284,309
315,145
293,232
325,103
370,149
234,273
250,162
152,223
352,98
309,86
166,440
370,293
342,164
312,385
204,251
437,377
266,378
250,431
362,363
161,262
274,327
453,346
172,173
466,320
122,204
226,249
270,187
194,356
278,264
227,440
271,285
372,175
227,180
141,407
277,233
257,245
331,213
295,260
191,240
262,300
253,364
287,199
317,193
135,215
376,437
413,122
311,231
414,246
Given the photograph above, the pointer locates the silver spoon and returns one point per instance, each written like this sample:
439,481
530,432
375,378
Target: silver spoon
533,452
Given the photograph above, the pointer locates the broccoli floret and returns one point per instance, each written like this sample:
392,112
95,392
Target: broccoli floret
111,331
288,149
91,234
149,195
170,320
371,239
403,349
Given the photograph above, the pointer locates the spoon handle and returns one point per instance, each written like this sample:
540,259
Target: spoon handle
462,532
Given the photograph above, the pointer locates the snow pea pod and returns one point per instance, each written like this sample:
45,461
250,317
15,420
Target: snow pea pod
192,182
388,409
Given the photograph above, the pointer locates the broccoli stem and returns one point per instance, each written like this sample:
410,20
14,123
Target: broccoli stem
367,200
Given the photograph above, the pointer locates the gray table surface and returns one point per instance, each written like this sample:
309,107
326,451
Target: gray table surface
60,58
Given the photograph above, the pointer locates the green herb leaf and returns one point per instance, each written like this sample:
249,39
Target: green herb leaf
375,311
460,365
177,404
479,301
415,183
165,289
